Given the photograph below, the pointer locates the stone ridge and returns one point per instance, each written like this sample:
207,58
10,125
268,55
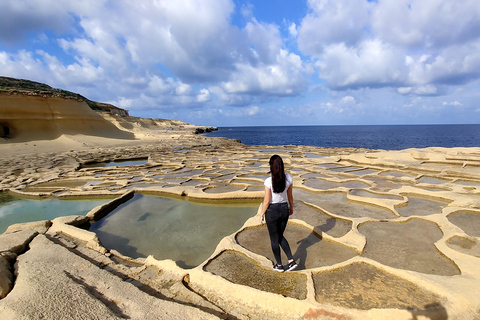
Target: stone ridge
392,235
32,88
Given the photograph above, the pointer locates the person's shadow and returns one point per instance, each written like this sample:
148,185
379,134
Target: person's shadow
316,236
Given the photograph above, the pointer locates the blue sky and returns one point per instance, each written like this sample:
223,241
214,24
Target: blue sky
262,62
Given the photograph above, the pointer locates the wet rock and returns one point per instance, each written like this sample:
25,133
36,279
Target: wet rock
408,246
308,247
362,286
239,269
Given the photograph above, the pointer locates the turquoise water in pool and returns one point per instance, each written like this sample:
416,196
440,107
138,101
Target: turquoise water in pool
173,229
14,209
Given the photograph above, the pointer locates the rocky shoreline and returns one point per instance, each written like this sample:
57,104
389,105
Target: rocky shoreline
377,234
432,194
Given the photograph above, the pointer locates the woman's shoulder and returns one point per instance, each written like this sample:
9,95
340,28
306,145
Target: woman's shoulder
288,176
268,181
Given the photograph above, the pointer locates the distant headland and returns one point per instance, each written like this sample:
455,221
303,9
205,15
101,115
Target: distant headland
35,111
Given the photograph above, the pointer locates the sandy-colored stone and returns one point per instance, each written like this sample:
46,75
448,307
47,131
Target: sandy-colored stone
39,226
16,242
102,210
465,245
89,238
406,219
45,118
53,283
321,222
76,221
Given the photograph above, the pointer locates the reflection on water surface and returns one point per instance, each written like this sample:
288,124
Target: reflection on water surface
14,209
170,229
117,163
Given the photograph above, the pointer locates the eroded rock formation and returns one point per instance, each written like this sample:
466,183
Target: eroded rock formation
377,234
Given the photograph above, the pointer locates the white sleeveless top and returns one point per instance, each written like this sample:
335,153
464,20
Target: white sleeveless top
279,197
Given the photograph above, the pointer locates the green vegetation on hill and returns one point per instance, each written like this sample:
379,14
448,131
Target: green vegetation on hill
21,86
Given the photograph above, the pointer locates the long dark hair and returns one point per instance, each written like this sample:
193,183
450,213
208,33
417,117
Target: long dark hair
278,173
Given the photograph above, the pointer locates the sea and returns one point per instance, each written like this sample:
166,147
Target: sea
385,137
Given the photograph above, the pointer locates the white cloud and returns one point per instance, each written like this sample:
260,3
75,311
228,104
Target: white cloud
339,60
203,96
283,77
330,22
371,64
347,99
426,90
251,111
404,90
400,44
292,30
18,18
430,24
455,103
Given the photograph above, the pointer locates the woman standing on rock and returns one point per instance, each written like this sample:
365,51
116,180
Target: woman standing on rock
277,207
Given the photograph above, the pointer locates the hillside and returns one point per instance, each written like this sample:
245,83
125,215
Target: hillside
32,88
31,110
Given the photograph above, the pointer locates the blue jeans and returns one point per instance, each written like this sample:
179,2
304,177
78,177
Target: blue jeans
277,218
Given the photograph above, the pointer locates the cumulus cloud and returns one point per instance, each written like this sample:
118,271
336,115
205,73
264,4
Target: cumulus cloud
18,18
330,22
203,96
158,55
370,64
428,24
200,52
400,44
292,29
455,103
282,76
348,99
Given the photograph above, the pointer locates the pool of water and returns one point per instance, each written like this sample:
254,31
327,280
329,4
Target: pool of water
173,229
118,163
14,209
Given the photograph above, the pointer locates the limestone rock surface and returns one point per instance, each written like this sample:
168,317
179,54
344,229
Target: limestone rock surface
53,283
16,242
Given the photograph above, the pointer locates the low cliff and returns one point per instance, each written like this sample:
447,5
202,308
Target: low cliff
31,88
35,111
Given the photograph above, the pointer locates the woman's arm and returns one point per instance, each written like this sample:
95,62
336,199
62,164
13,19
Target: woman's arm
290,198
266,202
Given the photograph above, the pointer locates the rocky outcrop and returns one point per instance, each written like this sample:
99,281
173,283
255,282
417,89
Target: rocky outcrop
11,245
35,111
376,234
25,118
32,88
55,282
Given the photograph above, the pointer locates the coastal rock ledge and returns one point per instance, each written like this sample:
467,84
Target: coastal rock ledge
377,234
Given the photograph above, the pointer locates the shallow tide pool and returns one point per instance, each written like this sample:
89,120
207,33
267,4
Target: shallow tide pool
15,209
173,229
